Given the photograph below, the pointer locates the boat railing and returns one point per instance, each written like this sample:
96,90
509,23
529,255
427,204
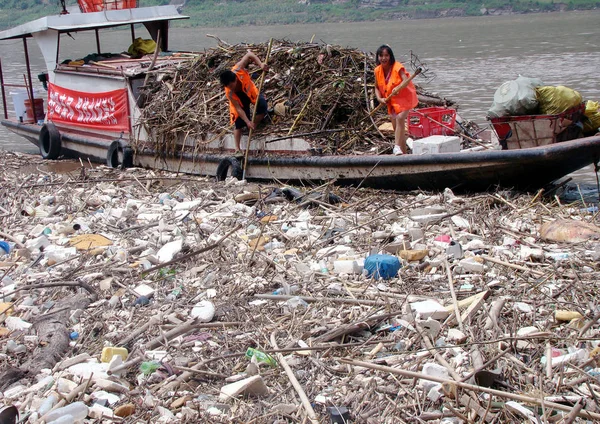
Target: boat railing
4,85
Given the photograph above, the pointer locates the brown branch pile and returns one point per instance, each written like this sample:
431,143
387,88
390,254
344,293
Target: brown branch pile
324,90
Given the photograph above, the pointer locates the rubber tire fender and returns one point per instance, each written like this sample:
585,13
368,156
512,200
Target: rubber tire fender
49,141
225,164
119,148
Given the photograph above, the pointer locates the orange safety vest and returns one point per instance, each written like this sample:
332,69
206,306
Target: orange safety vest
406,99
248,87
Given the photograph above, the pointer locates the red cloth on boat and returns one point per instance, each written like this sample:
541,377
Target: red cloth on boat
406,99
248,87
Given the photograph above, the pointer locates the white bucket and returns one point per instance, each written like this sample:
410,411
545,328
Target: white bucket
18,98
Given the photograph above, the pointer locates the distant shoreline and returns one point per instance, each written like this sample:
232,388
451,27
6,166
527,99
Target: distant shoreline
210,13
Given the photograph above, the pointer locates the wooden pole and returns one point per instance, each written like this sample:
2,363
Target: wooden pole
260,86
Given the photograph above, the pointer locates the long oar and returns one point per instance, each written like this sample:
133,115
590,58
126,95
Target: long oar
260,86
396,90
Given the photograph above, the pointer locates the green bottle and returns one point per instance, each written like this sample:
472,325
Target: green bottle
148,368
261,357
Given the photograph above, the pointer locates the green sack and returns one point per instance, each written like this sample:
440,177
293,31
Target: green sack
141,47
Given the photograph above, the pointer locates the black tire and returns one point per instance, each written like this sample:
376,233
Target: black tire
119,154
225,165
49,141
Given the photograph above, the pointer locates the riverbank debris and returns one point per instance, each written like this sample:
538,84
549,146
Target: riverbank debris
291,328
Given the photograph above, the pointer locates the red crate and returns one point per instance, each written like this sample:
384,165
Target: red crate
431,121
89,6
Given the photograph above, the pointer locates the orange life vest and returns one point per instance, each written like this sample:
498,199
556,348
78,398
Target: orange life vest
248,87
406,99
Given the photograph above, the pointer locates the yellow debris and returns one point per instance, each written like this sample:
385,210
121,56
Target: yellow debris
89,241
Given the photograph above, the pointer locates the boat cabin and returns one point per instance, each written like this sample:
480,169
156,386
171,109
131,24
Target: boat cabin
98,92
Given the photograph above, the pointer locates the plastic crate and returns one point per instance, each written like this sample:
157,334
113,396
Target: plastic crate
525,131
431,121
89,6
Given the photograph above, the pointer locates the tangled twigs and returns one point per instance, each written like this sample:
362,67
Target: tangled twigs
313,89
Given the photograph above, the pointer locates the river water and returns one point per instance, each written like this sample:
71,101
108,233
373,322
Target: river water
470,57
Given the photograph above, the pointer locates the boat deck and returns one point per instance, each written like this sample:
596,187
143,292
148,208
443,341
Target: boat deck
123,65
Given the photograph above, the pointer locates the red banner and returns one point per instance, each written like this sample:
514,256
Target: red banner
108,111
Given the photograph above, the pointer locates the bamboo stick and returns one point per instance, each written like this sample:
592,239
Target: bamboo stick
260,86
310,412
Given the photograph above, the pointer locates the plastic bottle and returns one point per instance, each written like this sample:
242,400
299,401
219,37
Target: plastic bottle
323,267
109,351
286,290
65,419
4,248
454,250
77,410
261,357
148,368
175,293
47,404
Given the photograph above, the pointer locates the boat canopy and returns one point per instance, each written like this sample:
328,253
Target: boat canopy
77,21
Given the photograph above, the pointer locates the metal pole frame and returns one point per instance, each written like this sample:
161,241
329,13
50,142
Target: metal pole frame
3,92
29,80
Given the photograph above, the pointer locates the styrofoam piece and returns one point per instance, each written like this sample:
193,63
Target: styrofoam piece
347,266
436,144
38,243
433,370
204,311
429,309
89,369
456,336
471,265
524,344
144,290
16,324
169,250
254,385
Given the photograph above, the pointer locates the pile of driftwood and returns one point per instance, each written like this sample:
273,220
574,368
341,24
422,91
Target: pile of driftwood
321,92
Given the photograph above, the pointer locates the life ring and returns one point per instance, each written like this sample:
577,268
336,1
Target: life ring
49,141
225,164
119,154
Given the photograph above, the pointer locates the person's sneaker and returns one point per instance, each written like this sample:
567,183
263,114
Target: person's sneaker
397,150
238,153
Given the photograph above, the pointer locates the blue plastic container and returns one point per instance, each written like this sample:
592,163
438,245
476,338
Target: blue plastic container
382,266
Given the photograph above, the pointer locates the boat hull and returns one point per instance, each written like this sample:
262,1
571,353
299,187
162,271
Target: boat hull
524,169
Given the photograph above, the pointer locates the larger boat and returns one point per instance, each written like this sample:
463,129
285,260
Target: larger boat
93,108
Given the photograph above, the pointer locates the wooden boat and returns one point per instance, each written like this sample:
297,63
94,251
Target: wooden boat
92,109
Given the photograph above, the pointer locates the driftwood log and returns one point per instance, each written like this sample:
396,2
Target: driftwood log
53,336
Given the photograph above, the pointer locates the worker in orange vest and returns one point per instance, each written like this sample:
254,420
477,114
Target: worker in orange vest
388,74
241,93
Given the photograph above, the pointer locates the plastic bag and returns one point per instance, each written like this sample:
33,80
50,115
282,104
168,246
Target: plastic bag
592,124
555,100
517,97
141,47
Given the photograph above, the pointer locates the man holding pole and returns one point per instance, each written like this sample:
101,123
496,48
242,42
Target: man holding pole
241,93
